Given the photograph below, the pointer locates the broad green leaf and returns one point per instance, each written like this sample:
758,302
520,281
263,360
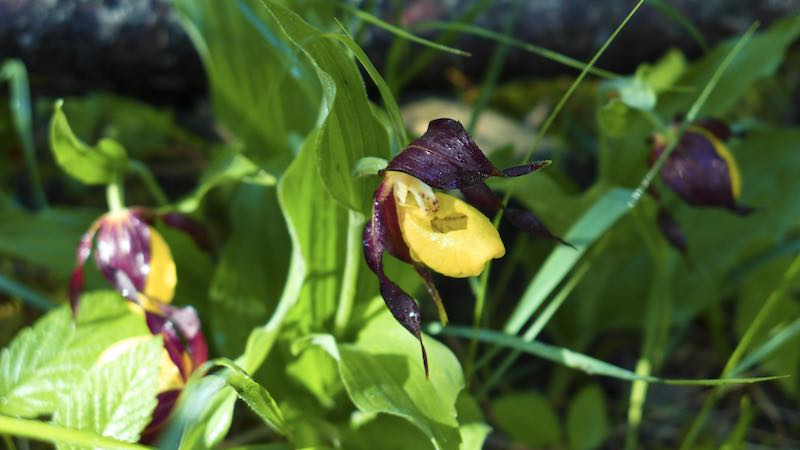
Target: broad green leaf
249,277
587,419
383,373
472,425
383,431
100,164
348,130
665,72
759,59
117,397
612,118
315,223
262,89
47,239
591,225
538,427
44,362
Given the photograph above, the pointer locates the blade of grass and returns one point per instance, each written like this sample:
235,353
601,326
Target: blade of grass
778,340
505,39
25,294
19,103
752,331
400,32
579,361
46,432
671,12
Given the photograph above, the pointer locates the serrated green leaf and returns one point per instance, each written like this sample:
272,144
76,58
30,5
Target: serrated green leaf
383,373
117,397
44,362
587,419
100,164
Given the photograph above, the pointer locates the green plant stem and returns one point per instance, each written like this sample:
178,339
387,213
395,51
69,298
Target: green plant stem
477,317
747,339
150,183
55,434
25,294
115,195
347,294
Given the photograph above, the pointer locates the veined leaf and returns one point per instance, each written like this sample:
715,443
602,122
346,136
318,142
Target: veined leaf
261,88
383,373
100,164
117,397
45,362
348,129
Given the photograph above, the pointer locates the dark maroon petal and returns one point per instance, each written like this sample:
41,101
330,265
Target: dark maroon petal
173,344
166,403
671,230
446,157
716,127
123,253
196,230
699,175
180,328
81,255
481,196
375,240
526,221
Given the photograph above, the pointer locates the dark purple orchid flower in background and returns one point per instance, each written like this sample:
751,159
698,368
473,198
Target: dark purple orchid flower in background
133,256
702,171
434,230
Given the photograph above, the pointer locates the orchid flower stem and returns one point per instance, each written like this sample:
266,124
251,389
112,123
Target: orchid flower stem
347,293
115,195
150,183
752,330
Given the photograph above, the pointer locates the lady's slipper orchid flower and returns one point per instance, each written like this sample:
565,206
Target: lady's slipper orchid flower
133,256
435,230
701,169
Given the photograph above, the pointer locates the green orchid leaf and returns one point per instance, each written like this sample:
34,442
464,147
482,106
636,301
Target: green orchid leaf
100,164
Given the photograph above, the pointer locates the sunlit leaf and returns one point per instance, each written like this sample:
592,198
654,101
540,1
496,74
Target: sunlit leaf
117,397
45,362
100,164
